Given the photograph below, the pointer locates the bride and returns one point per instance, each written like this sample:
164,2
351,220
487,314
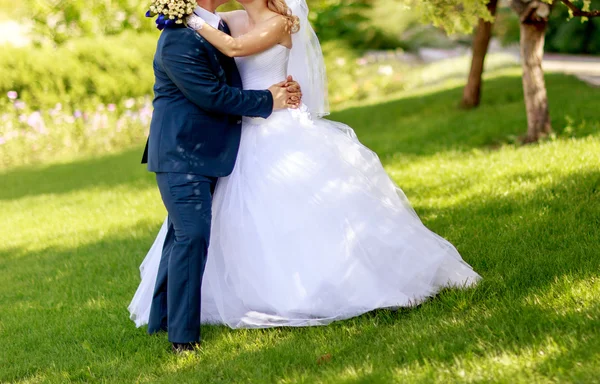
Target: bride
308,228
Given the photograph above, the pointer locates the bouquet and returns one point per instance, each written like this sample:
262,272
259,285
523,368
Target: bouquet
170,12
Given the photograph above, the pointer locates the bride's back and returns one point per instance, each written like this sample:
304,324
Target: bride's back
264,69
261,70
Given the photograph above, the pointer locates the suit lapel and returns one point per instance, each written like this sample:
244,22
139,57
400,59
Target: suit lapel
223,27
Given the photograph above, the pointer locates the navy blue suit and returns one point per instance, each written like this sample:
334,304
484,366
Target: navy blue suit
194,139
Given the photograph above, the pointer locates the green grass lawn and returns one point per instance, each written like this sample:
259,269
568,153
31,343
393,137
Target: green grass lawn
527,218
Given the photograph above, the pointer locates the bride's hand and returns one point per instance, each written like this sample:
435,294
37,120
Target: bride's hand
294,88
283,98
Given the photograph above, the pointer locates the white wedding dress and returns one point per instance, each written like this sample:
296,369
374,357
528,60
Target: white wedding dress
308,228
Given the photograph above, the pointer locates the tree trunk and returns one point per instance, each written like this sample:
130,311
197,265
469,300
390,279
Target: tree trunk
534,20
534,86
481,42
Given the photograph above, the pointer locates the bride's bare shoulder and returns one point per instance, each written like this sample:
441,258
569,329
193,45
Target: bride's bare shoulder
236,20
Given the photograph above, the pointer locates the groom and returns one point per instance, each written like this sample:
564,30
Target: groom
194,139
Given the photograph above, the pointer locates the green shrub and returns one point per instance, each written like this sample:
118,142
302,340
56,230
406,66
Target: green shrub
105,70
353,22
89,71
92,95
61,20
355,78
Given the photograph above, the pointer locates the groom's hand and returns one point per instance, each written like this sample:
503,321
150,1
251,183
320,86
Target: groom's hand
283,98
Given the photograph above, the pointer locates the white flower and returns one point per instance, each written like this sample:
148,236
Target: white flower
386,70
173,9
129,103
120,16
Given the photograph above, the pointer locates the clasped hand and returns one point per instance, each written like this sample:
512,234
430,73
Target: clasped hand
286,94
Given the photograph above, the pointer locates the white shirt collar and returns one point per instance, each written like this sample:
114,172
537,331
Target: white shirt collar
211,18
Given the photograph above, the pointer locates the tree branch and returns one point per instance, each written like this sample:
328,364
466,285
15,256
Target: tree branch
578,12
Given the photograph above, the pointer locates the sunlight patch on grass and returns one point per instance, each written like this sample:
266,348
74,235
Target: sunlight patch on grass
62,224
96,303
36,379
453,178
568,296
183,362
505,367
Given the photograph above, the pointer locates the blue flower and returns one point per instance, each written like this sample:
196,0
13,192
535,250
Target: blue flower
162,21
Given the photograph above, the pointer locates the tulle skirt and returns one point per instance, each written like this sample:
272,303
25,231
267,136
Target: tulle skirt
309,229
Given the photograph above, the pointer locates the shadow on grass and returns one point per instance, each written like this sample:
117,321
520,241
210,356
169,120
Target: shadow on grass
65,313
65,310
103,172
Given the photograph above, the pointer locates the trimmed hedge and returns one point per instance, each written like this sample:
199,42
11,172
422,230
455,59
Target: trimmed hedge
103,69
87,72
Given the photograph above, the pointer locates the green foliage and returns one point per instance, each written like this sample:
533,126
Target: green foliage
402,28
348,20
506,26
10,9
452,15
462,15
353,78
565,34
84,70
73,236
573,35
60,20
344,20
96,98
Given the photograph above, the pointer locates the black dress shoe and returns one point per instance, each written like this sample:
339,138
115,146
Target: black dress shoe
183,347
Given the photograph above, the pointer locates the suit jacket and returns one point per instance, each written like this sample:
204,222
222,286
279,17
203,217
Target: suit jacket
198,104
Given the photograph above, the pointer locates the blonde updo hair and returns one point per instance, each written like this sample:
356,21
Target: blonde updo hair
279,6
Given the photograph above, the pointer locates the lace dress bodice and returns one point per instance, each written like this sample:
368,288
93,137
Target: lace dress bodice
264,69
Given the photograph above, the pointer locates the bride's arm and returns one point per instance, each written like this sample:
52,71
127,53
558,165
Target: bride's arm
261,38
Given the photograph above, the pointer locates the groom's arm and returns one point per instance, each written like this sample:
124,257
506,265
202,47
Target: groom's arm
187,64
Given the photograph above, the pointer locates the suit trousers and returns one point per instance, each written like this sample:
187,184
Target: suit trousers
176,301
